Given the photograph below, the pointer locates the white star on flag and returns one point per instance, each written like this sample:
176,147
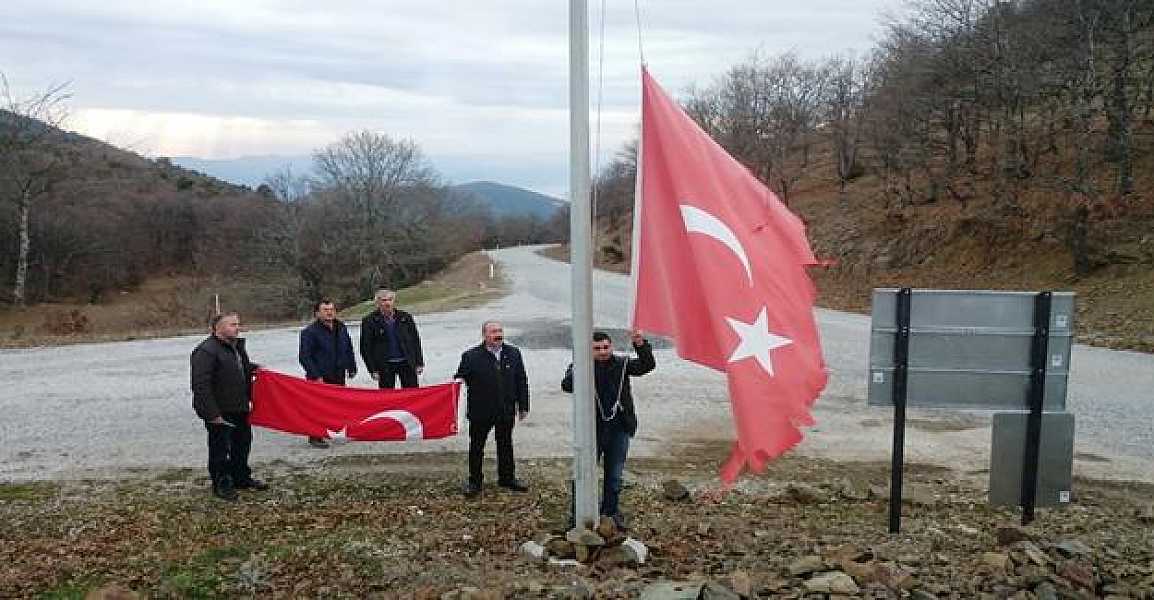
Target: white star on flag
756,341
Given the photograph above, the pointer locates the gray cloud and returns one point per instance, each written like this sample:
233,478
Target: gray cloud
490,77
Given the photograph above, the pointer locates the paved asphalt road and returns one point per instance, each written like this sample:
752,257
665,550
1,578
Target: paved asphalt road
99,410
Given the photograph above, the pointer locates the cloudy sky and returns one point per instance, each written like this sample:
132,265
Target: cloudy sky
481,85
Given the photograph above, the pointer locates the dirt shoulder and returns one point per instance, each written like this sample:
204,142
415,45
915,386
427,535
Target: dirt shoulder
471,281
396,526
151,311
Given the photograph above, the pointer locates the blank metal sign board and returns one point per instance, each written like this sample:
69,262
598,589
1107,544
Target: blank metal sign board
969,349
1055,459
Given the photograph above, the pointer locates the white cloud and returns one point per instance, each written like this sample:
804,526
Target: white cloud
482,81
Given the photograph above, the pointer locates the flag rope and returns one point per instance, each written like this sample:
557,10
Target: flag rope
640,46
597,130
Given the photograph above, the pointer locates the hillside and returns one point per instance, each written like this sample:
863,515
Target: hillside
105,223
983,244
117,244
996,146
976,243
91,160
509,201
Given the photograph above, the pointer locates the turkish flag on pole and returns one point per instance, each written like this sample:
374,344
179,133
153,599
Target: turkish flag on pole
720,267
295,405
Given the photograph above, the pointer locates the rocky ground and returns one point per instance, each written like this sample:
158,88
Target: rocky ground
396,526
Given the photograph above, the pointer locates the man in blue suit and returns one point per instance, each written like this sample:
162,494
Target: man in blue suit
326,351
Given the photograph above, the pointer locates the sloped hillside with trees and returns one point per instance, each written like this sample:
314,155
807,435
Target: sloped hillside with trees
84,224
981,144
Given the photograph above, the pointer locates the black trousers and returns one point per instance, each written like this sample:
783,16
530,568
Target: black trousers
478,435
391,371
228,447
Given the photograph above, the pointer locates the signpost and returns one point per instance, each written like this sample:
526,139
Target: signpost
1055,459
968,349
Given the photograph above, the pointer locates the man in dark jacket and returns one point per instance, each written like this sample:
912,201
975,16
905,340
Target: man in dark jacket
616,417
390,344
326,351
221,392
498,395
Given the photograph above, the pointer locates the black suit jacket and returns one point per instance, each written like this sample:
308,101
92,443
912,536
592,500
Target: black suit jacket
221,378
375,343
496,391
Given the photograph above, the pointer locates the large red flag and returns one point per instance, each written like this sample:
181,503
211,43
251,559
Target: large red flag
294,405
720,267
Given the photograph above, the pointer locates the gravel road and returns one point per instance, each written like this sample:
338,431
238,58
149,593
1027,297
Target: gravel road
101,410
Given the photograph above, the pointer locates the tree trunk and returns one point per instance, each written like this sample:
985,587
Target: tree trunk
846,147
18,290
1120,109
1149,102
1079,245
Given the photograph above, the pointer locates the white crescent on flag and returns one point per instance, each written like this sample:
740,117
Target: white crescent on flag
699,221
413,428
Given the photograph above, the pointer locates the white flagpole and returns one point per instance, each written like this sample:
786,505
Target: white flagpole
580,235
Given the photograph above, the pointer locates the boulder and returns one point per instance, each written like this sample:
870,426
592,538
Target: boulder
671,590
533,551
833,582
806,565
674,490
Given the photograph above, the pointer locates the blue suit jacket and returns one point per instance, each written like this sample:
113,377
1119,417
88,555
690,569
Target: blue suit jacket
326,351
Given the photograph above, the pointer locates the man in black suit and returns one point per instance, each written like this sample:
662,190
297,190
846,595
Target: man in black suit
498,396
390,344
221,395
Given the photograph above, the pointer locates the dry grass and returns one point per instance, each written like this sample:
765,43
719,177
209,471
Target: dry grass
170,306
395,526
463,284
560,252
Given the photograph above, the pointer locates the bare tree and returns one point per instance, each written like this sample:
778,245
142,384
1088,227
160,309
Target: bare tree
372,177
370,169
29,163
845,105
1126,31
766,113
285,185
796,90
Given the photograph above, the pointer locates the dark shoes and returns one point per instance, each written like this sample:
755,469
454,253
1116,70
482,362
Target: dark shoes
515,485
251,484
224,490
472,489
318,442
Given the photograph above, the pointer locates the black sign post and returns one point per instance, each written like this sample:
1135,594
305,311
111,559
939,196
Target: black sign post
901,366
976,349
1039,351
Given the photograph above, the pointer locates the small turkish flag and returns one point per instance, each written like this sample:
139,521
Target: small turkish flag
720,267
339,413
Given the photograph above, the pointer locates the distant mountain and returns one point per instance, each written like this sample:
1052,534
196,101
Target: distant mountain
246,170
506,200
